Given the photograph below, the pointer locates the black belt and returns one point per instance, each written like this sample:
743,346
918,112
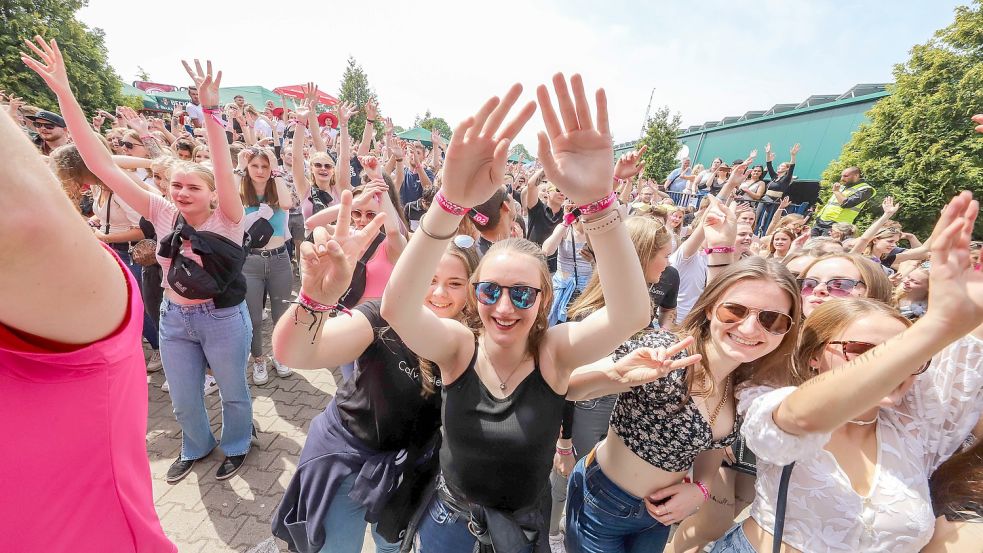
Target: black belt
269,253
122,246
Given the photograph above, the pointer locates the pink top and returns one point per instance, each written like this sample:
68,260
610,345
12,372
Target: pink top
377,272
162,216
76,475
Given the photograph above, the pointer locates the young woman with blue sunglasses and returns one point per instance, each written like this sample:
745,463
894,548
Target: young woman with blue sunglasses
505,380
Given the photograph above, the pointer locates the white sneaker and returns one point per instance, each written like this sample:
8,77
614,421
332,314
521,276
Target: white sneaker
260,376
282,371
556,544
153,362
166,387
211,386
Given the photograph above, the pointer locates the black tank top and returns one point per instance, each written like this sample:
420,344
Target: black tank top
498,452
382,403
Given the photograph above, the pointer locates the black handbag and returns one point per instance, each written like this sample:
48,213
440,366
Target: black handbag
780,508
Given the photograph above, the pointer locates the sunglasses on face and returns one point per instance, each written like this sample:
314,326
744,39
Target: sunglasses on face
368,215
128,145
774,322
852,349
319,165
836,287
523,297
46,126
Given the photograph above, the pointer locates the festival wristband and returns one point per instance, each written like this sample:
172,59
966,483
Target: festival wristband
216,115
315,306
719,249
595,207
564,451
703,490
454,209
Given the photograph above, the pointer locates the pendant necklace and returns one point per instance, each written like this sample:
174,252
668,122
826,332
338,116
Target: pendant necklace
502,383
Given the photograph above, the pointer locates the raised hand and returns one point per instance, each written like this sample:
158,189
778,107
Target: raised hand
477,153
134,120
769,155
328,262
372,166
97,121
206,83
630,164
387,124
371,110
310,92
784,203
794,150
50,64
645,365
345,112
720,223
979,120
578,158
889,207
955,293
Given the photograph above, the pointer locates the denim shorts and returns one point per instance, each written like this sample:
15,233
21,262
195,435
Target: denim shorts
734,541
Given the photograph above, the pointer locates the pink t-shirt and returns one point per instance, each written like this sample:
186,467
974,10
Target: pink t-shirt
377,272
75,475
162,216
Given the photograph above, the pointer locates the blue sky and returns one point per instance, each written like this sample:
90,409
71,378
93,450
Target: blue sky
706,59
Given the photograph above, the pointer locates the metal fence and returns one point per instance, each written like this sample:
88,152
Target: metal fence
764,209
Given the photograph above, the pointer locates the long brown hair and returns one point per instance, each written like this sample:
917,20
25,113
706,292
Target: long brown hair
958,482
648,236
821,326
248,191
697,324
523,247
468,316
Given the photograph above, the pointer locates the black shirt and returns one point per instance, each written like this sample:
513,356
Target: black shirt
664,292
780,183
382,403
542,221
414,210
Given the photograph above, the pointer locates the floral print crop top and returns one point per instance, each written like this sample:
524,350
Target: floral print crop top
652,420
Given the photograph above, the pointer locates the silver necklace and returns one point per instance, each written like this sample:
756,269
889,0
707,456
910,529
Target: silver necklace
502,384
865,423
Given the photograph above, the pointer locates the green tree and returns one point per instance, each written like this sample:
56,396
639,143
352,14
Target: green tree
919,145
355,89
429,122
397,129
519,149
660,137
96,84
142,74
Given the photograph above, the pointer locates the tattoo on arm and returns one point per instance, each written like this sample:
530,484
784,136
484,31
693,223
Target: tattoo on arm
153,148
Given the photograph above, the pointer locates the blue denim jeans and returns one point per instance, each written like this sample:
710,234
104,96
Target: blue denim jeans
149,328
734,541
603,518
444,531
345,524
191,338
266,276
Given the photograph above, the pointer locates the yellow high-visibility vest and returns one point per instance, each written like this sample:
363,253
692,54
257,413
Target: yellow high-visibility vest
832,212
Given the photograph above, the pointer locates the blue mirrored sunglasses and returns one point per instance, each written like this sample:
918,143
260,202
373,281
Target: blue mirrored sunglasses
523,297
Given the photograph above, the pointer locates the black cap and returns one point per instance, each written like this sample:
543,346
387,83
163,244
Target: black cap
49,117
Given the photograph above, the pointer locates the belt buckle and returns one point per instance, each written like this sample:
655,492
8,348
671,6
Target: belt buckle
265,253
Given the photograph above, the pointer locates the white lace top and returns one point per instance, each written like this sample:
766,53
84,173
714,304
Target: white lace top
824,513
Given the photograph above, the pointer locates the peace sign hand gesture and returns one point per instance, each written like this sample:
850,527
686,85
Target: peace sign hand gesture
645,365
207,84
475,164
578,158
51,68
329,262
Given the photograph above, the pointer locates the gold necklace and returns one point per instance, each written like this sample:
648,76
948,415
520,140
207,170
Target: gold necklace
502,384
720,404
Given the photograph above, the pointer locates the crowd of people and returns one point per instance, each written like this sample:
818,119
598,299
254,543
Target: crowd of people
552,355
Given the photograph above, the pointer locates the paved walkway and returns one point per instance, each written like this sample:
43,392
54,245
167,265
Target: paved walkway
202,515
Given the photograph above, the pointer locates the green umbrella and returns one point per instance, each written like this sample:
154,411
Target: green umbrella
419,134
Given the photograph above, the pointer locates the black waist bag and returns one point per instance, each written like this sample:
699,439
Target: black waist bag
218,278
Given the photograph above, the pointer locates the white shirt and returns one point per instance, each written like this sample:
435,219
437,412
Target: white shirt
195,112
121,216
692,280
263,129
824,513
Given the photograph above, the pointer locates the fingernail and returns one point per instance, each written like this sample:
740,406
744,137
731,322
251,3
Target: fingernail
321,248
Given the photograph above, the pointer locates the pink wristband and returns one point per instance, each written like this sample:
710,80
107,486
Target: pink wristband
703,489
564,451
454,209
313,305
594,207
216,115
719,249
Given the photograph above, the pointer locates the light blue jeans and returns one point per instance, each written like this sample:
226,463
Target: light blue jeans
345,524
734,541
191,338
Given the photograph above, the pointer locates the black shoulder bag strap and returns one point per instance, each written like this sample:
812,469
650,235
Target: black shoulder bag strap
780,508
109,211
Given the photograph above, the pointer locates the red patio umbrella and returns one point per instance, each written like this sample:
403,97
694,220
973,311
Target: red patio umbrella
296,91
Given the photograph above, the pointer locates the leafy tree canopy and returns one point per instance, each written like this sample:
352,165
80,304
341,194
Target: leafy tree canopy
355,88
660,137
429,122
919,145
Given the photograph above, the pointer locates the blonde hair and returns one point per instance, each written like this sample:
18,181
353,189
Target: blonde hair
882,234
875,281
822,326
699,380
771,243
648,236
520,246
72,171
201,171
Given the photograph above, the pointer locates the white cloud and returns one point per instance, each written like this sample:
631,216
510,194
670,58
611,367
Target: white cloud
705,59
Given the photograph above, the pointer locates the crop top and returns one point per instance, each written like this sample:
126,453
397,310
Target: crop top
654,422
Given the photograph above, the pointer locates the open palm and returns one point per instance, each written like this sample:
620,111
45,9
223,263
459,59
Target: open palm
955,294
475,164
578,158
51,66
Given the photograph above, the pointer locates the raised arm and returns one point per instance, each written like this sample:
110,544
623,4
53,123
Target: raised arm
639,367
342,170
552,242
737,175
955,307
530,195
777,217
371,114
51,67
300,174
890,208
306,340
578,158
473,170
228,193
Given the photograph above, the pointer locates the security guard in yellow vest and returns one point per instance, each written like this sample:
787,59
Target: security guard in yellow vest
848,200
